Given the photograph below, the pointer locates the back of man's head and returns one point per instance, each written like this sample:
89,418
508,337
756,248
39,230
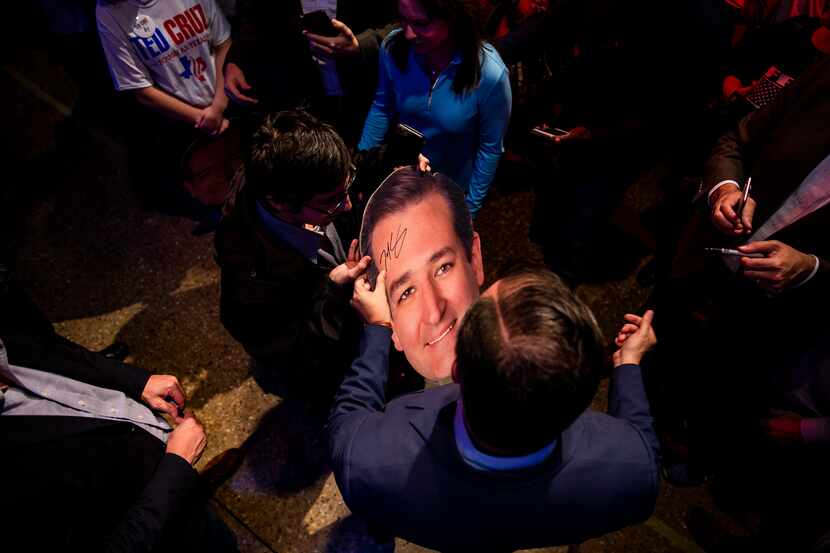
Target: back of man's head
294,157
529,355
405,187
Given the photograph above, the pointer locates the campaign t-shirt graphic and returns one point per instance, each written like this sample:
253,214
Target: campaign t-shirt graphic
163,43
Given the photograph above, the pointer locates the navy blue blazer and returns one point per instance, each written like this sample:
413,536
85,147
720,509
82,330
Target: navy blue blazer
397,466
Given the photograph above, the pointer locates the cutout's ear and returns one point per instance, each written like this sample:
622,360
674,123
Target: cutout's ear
395,339
476,260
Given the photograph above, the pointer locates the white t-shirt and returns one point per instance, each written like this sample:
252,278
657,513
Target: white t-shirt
163,43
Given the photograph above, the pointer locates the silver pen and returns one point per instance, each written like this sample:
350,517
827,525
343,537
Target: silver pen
744,199
727,251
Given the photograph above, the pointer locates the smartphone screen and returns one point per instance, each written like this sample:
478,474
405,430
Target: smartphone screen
404,145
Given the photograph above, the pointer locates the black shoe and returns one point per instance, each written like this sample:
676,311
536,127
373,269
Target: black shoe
116,350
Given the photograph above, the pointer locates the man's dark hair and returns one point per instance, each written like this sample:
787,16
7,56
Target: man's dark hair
528,362
294,157
408,186
465,29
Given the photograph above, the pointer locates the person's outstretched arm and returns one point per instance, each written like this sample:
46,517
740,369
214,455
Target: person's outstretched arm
361,394
494,115
627,398
172,489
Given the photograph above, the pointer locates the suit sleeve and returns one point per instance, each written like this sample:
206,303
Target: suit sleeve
361,395
168,491
736,151
627,401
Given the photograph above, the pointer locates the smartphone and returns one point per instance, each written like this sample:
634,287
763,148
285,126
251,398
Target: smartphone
319,23
548,132
410,132
404,145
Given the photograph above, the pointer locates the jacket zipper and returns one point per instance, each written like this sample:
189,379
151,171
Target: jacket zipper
435,84
432,88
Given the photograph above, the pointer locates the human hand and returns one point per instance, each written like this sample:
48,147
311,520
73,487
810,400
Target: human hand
211,120
635,338
781,268
160,391
344,44
235,84
575,135
732,85
188,439
725,201
353,267
372,304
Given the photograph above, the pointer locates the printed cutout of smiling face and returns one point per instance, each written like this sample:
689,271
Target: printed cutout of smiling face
430,282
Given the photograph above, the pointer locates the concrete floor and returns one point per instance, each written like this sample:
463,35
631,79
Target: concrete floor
105,270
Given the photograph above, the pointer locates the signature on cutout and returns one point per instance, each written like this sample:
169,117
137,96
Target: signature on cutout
393,248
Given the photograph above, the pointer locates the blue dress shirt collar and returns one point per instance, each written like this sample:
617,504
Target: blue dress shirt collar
491,463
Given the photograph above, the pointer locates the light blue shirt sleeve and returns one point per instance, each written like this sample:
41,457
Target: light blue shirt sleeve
383,108
494,115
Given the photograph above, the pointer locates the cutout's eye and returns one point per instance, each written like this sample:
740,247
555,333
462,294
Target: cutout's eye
406,293
443,269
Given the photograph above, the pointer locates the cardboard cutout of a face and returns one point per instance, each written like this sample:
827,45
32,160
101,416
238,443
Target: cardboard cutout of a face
430,281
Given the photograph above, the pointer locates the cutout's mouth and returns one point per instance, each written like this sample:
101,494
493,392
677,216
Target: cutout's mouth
442,335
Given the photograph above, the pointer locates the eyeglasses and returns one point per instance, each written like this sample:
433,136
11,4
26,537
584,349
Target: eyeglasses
342,202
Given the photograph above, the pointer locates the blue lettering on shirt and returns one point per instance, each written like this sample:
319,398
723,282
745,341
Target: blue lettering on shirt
151,47
139,47
186,63
161,41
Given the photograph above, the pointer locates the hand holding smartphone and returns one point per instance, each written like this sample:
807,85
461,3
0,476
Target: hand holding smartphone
404,146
